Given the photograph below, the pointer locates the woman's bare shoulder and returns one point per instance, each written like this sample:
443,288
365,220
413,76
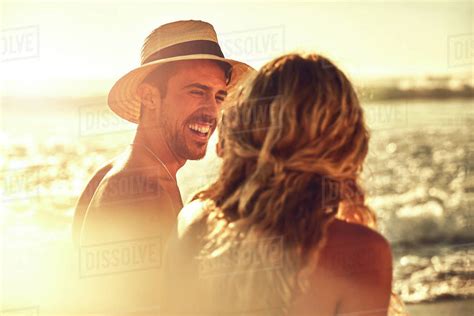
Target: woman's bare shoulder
342,231
354,269
355,250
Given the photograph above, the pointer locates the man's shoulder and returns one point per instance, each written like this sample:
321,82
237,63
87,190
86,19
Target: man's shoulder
131,185
128,204
86,197
95,181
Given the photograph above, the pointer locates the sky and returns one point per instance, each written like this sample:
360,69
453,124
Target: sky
81,47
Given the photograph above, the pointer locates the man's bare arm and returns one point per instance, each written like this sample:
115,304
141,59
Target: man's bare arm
85,199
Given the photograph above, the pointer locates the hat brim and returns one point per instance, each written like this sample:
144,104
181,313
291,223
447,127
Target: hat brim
124,101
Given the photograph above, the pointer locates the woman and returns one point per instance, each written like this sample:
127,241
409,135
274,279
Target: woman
284,230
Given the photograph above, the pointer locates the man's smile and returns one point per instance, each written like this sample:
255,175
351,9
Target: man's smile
201,127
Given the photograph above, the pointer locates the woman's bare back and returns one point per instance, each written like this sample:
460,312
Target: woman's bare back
353,275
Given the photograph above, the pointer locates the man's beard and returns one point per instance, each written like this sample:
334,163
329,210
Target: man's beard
174,136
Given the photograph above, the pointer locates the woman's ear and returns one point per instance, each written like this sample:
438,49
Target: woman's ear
149,96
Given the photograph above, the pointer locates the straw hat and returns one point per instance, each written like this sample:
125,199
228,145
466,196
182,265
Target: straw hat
181,40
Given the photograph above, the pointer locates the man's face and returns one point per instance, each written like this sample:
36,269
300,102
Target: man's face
188,112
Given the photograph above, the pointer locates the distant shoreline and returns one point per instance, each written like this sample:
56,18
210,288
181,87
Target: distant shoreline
394,93
458,307
428,87
366,94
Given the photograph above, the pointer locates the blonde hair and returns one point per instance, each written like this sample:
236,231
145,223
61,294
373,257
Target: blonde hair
293,141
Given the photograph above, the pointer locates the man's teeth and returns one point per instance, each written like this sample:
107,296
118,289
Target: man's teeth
200,128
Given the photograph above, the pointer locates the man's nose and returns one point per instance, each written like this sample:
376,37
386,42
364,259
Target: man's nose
212,105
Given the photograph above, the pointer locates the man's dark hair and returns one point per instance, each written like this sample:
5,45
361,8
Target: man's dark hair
160,75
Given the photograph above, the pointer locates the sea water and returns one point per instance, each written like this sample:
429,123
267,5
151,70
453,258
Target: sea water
418,178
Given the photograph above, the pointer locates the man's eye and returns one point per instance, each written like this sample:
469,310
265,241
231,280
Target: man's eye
220,99
197,92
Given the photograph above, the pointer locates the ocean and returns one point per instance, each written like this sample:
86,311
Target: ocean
419,180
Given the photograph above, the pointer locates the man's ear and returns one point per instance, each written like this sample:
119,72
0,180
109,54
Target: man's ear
149,95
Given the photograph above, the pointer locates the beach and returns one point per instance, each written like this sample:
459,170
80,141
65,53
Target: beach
418,180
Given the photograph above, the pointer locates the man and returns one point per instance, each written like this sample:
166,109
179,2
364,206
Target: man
174,96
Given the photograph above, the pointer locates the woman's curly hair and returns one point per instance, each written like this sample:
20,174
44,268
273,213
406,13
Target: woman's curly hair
293,141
